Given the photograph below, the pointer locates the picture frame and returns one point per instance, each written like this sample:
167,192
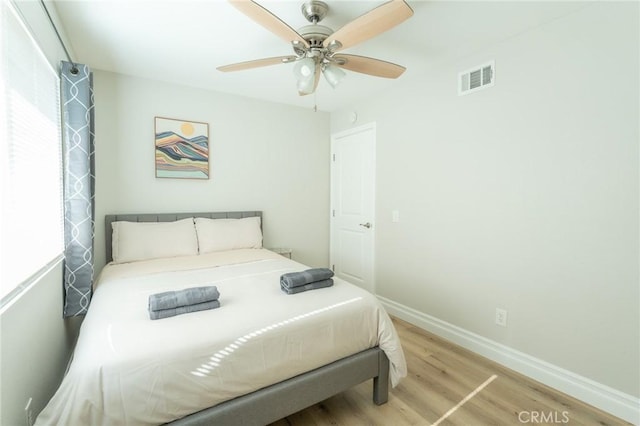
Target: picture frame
181,148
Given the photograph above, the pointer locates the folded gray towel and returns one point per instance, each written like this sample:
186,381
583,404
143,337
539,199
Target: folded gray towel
186,297
296,279
166,313
310,286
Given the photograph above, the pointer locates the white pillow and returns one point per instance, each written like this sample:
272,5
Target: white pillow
133,241
228,234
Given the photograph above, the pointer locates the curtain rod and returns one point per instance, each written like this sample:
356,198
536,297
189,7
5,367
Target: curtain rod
74,68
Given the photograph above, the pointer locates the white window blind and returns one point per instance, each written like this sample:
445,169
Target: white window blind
31,216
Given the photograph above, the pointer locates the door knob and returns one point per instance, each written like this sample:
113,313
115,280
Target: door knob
366,225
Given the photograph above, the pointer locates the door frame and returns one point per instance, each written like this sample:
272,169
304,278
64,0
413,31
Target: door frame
335,138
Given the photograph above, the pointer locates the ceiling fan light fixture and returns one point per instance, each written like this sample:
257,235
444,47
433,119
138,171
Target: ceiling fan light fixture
305,69
333,74
306,86
305,72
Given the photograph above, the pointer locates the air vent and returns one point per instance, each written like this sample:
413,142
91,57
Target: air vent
476,78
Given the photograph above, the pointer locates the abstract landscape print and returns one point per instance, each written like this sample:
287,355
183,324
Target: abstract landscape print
182,149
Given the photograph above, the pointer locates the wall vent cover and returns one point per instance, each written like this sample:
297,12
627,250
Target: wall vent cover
477,78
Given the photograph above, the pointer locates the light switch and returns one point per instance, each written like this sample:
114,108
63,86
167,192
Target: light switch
395,216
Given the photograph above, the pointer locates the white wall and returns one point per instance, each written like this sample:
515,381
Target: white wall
263,156
523,196
35,347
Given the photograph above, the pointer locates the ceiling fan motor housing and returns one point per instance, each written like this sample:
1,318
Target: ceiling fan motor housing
315,11
315,34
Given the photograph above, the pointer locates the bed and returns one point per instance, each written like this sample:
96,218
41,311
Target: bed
259,357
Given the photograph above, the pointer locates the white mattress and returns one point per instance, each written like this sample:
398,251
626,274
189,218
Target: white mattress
128,369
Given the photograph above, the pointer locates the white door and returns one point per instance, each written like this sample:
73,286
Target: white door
353,205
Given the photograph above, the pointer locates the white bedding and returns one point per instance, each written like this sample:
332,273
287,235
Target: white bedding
130,370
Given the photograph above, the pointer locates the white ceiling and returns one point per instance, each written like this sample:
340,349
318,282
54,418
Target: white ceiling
183,41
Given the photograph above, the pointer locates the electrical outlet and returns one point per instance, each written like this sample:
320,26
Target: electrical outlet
501,317
28,413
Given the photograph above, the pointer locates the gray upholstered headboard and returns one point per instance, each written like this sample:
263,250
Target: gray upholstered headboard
164,217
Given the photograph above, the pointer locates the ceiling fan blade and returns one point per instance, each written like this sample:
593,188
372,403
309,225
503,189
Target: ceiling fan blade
268,20
256,63
371,66
372,23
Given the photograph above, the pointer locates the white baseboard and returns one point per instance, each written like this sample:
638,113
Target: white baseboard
612,401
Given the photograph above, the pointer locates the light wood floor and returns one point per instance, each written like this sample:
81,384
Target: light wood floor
442,375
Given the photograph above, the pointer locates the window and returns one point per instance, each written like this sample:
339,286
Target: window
31,218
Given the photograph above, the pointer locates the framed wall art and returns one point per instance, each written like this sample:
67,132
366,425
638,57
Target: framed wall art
182,149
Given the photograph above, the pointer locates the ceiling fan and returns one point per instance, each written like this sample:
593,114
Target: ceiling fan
317,47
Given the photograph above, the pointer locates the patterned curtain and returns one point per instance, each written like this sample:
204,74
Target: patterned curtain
79,186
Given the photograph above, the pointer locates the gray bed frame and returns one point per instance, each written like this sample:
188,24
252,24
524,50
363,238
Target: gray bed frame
287,397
